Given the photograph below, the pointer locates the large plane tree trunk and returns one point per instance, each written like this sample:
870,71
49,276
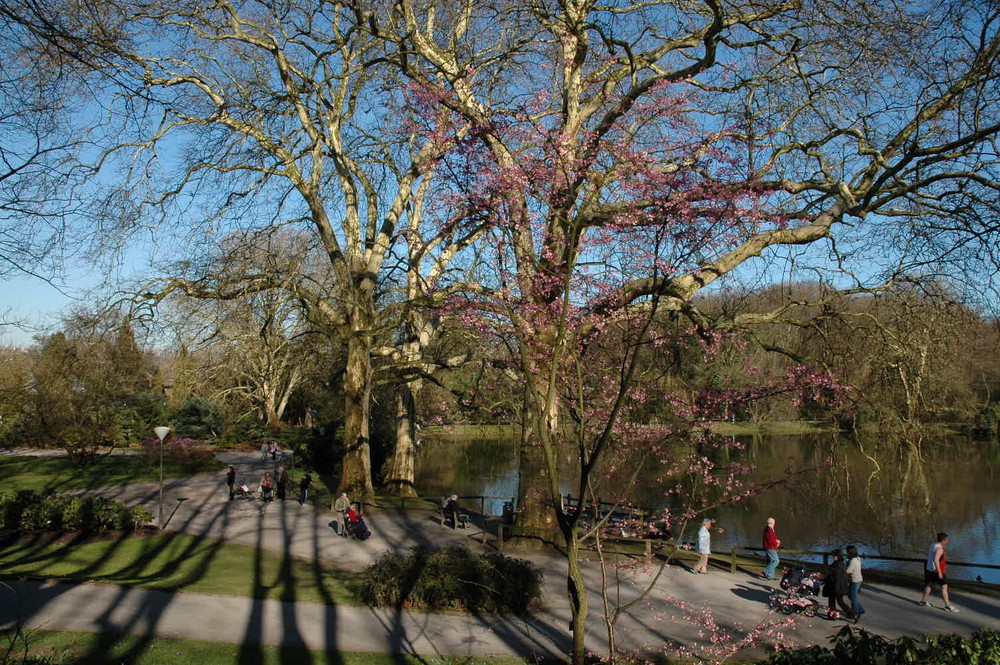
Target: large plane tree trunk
356,476
402,473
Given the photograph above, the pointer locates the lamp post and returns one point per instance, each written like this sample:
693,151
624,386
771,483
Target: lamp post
161,433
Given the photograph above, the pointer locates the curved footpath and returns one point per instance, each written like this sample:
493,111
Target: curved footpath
684,609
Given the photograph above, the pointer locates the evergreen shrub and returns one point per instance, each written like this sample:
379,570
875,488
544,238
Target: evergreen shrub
452,578
198,418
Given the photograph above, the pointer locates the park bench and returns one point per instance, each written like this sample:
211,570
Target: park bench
462,518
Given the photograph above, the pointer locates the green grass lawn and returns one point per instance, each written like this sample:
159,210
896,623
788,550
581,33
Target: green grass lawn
63,648
179,562
58,474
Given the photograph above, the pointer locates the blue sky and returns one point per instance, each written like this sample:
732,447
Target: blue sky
39,304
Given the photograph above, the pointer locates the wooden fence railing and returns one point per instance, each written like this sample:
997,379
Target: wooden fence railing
867,557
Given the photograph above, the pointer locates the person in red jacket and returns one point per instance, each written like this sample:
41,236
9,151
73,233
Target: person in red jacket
770,543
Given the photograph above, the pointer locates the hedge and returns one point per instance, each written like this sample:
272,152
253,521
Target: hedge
27,511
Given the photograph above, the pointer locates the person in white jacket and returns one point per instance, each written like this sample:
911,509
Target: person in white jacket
854,572
704,546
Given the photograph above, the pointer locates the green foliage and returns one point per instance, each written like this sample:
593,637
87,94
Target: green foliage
78,513
863,648
28,511
452,578
988,422
44,515
12,504
139,516
198,418
319,448
249,428
88,387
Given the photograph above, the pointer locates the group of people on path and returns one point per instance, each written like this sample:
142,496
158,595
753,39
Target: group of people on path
843,578
351,522
268,487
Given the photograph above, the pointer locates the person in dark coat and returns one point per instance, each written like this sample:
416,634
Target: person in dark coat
836,585
451,510
231,480
281,480
304,486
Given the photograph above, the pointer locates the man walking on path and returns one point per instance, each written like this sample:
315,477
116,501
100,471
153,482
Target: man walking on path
770,544
304,485
231,480
340,508
704,546
935,572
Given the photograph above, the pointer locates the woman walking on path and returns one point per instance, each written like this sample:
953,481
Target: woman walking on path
854,573
836,586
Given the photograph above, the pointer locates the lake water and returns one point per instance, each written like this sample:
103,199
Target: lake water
886,498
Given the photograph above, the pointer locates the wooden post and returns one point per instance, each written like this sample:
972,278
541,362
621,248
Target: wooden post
482,512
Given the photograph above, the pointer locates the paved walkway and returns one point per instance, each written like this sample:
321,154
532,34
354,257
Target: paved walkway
684,609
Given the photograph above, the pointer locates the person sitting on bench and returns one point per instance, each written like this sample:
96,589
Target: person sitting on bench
451,511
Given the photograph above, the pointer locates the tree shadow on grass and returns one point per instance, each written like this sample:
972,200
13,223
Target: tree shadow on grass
174,561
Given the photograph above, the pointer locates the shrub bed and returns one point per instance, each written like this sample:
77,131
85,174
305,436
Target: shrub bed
27,511
452,578
860,647
189,455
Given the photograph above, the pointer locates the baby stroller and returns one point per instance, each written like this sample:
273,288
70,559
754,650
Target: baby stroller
243,493
797,594
358,530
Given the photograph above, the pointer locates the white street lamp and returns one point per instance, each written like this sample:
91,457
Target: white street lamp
161,434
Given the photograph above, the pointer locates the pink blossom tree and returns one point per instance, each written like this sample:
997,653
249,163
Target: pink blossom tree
632,155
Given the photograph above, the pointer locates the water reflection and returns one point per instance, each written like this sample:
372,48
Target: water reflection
486,467
889,498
